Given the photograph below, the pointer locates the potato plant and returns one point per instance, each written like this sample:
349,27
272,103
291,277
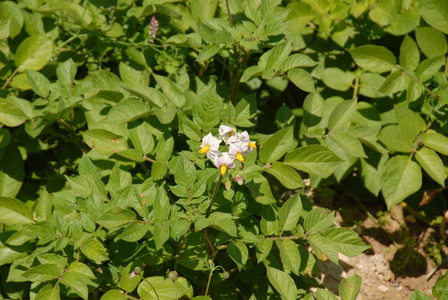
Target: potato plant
164,149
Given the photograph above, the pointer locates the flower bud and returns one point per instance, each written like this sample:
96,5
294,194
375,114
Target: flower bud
173,275
239,179
228,185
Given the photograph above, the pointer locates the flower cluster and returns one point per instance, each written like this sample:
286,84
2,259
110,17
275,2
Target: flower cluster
153,28
239,146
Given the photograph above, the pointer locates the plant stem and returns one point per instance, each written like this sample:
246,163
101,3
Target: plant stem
8,81
208,282
355,88
229,14
207,214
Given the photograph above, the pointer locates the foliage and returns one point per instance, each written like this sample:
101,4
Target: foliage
104,106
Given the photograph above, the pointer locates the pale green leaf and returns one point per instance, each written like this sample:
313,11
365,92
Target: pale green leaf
400,179
302,79
289,213
286,175
432,164
14,212
397,138
435,13
409,54
208,52
238,252
318,219
94,250
289,254
10,114
104,142
39,83
342,115
277,145
349,143
297,60
349,287
43,272
394,83
372,58
283,283
126,111
151,95
171,91
436,141
314,159
207,109
419,295
33,53
337,79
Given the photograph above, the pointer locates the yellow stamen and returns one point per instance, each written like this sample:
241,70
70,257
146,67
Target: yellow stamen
239,157
252,145
204,149
223,169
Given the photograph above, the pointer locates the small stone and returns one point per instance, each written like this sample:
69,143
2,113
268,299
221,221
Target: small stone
383,288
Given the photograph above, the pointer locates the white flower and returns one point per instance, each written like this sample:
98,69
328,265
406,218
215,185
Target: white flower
227,133
244,137
237,149
210,145
224,162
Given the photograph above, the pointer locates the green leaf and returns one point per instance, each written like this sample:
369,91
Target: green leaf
283,283
238,253
126,282
43,272
318,219
432,164
322,294
313,108
440,288
429,67
369,85
274,56
277,145
212,35
49,292
323,245
12,171
346,241
150,95
224,222
260,188
14,212
33,53
297,60
372,58
135,231
400,179
207,109
289,254
208,52
419,295
250,72
394,83
116,217
349,143
94,250
39,83
436,141
337,79
66,72
184,171
286,175
77,283
245,110
349,287
397,139
141,138
161,233
104,142
263,248
409,54
126,111
289,213
431,41
412,121
314,159
302,79
5,25
171,91
157,287
113,295
10,114
342,115
435,13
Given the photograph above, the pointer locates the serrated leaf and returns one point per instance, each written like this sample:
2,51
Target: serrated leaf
289,254
400,179
432,164
286,175
33,53
283,283
436,141
14,212
277,145
302,79
349,287
372,58
289,213
314,159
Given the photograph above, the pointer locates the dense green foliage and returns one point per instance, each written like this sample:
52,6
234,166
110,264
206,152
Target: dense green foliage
104,106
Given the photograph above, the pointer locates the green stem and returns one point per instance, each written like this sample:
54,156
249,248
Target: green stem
208,282
8,81
207,214
157,295
229,14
